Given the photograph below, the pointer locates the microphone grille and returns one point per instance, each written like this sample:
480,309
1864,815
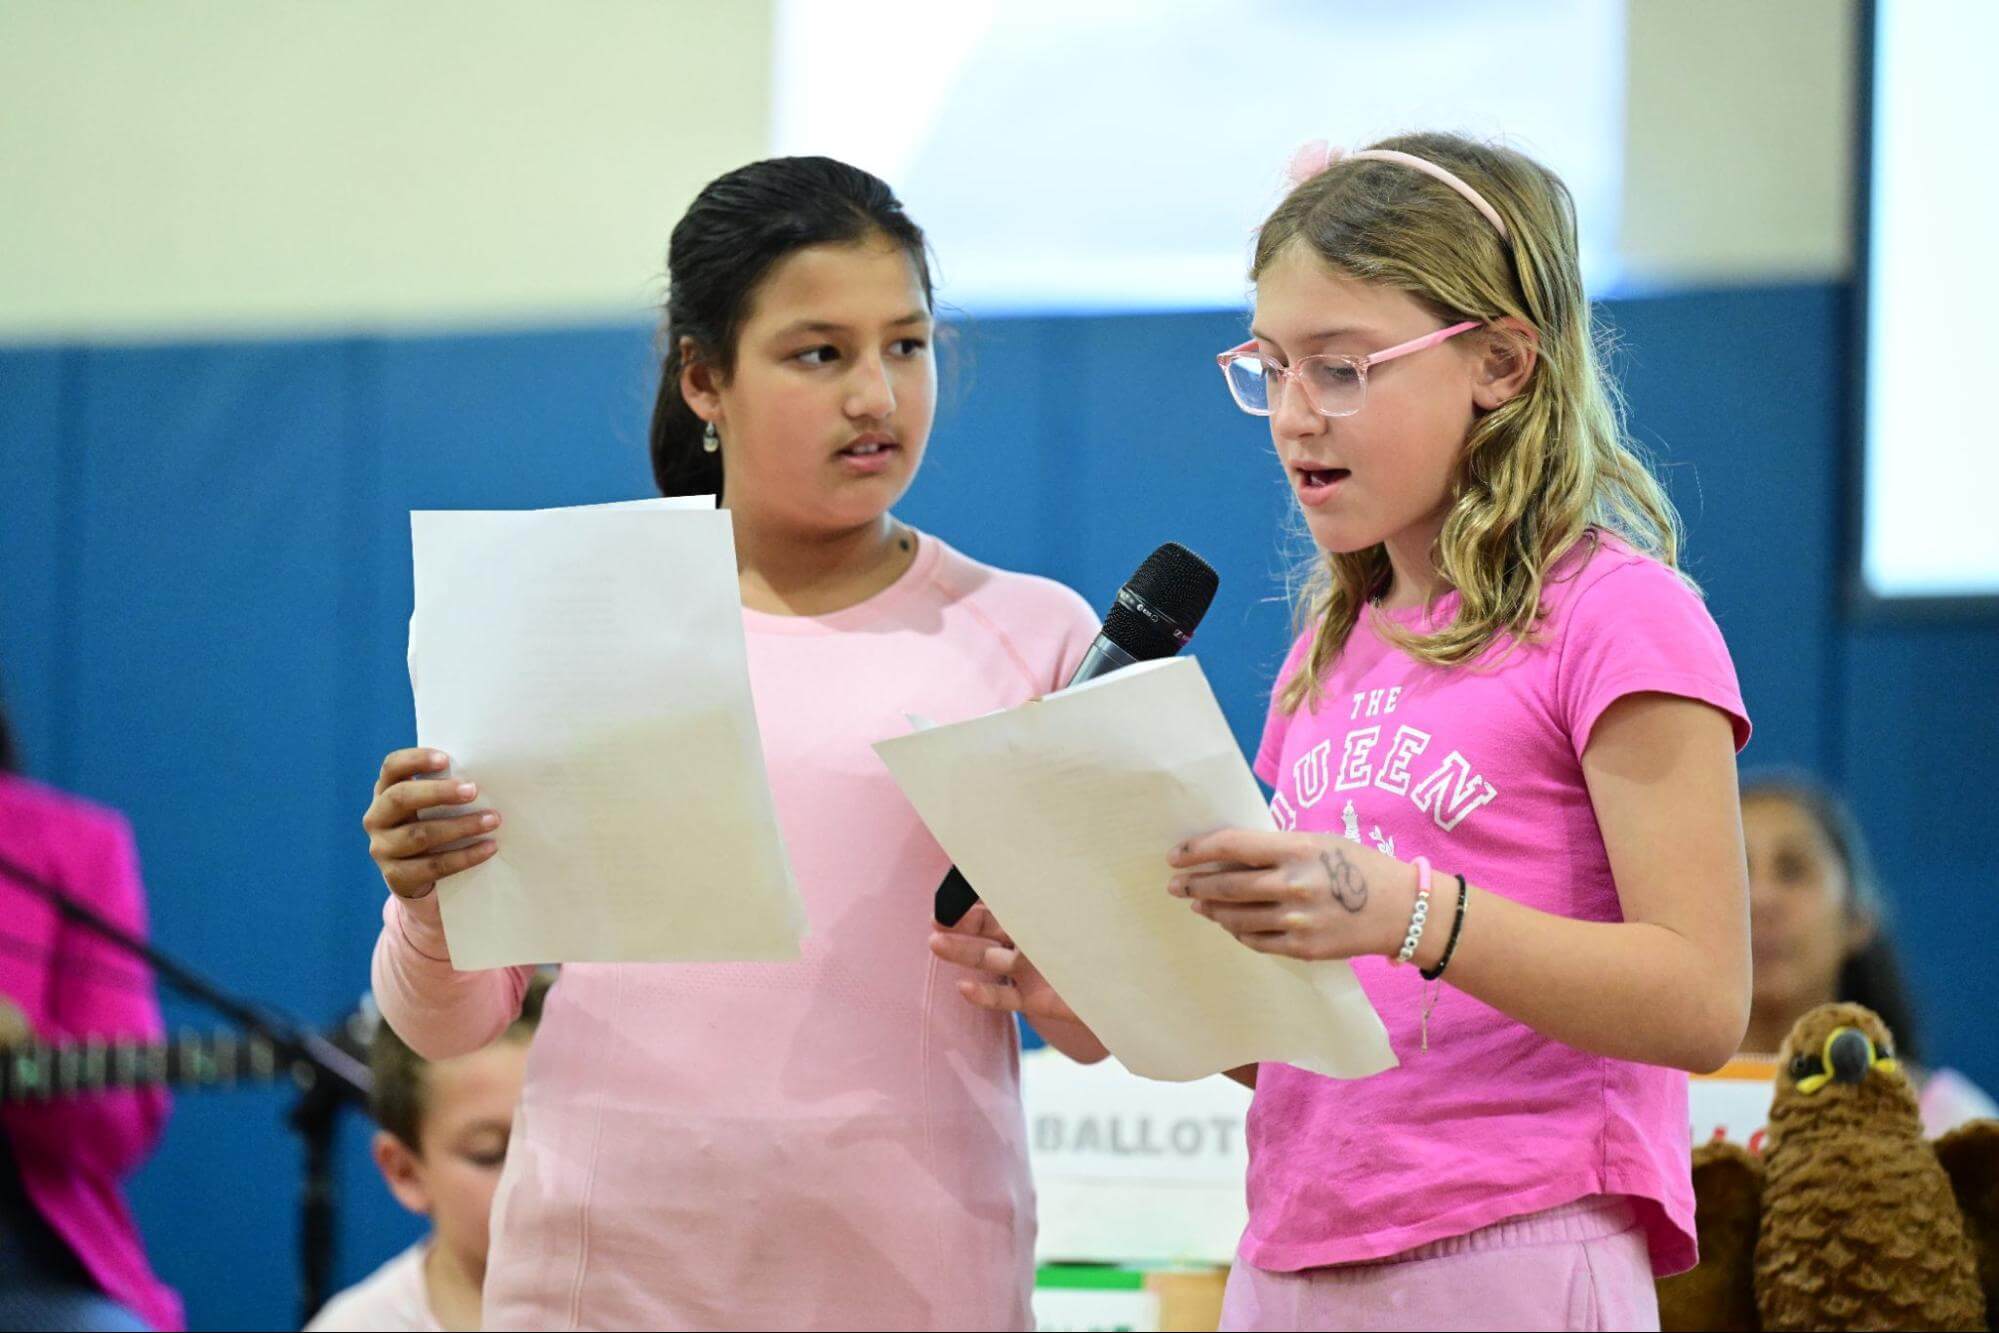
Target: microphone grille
1178,587
1178,584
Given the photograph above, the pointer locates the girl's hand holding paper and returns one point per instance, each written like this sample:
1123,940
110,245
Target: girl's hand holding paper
1010,983
1302,895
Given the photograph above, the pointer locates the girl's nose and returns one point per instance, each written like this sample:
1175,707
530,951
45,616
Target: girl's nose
871,395
1292,414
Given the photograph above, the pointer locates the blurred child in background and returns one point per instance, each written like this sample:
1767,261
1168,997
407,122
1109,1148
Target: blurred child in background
1819,932
442,1141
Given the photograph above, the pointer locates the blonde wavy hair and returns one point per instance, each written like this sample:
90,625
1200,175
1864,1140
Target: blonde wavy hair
1539,472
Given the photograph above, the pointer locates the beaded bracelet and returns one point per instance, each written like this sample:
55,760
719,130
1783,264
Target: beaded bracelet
1432,988
1418,915
1457,929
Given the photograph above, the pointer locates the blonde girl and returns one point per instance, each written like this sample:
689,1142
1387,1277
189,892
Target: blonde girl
1503,754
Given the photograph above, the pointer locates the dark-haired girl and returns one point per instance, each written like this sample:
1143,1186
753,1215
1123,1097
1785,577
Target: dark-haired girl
837,1142
1818,932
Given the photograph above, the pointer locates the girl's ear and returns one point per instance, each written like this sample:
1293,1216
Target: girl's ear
698,382
1511,347
402,1169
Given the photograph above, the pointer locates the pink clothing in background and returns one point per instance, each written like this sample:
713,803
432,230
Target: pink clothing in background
834,1143
1577,1268
73,1155
1479,769
392,1299
1948,1099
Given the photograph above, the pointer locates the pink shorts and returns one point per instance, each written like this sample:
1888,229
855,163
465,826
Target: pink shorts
1584,1265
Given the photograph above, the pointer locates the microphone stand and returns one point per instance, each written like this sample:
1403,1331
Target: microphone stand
326,1076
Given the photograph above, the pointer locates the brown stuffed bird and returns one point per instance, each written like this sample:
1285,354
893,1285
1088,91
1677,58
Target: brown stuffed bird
1850,1219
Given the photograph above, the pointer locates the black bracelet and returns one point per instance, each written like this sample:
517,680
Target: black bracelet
1457,928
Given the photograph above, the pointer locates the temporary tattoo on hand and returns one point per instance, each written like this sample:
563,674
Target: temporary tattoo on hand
1344,879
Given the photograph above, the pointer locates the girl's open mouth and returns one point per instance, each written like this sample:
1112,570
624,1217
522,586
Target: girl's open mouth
1316,483
868,456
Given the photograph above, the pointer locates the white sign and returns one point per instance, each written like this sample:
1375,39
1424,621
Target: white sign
1733,1103
1130,1170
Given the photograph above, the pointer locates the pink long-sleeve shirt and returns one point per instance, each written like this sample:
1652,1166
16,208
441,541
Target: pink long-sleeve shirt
73,1154
832,1143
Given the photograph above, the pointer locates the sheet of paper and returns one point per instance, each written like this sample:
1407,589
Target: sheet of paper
669,502
1060,812
586,667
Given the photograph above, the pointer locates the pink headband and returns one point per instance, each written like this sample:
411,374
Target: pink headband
1317,155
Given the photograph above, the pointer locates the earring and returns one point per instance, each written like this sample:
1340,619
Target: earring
710,441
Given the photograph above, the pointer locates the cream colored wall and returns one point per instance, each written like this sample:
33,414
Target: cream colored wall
173,168
1739,140
177,167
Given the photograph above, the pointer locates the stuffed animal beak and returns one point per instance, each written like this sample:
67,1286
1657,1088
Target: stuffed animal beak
1849,1054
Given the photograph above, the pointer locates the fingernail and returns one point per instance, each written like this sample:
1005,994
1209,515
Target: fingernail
466,790
1177,887
489,821
488,848
438,758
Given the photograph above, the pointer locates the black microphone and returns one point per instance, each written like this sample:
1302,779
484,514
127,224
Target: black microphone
1155,614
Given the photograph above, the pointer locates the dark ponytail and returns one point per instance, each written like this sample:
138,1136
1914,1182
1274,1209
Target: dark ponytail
739,226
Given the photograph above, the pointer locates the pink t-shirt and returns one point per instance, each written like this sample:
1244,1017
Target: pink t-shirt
1480,769
830,1143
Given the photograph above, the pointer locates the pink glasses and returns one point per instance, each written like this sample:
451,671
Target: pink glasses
1336,385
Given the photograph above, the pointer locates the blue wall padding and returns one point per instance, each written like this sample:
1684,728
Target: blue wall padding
206,595
1741,397
37,546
